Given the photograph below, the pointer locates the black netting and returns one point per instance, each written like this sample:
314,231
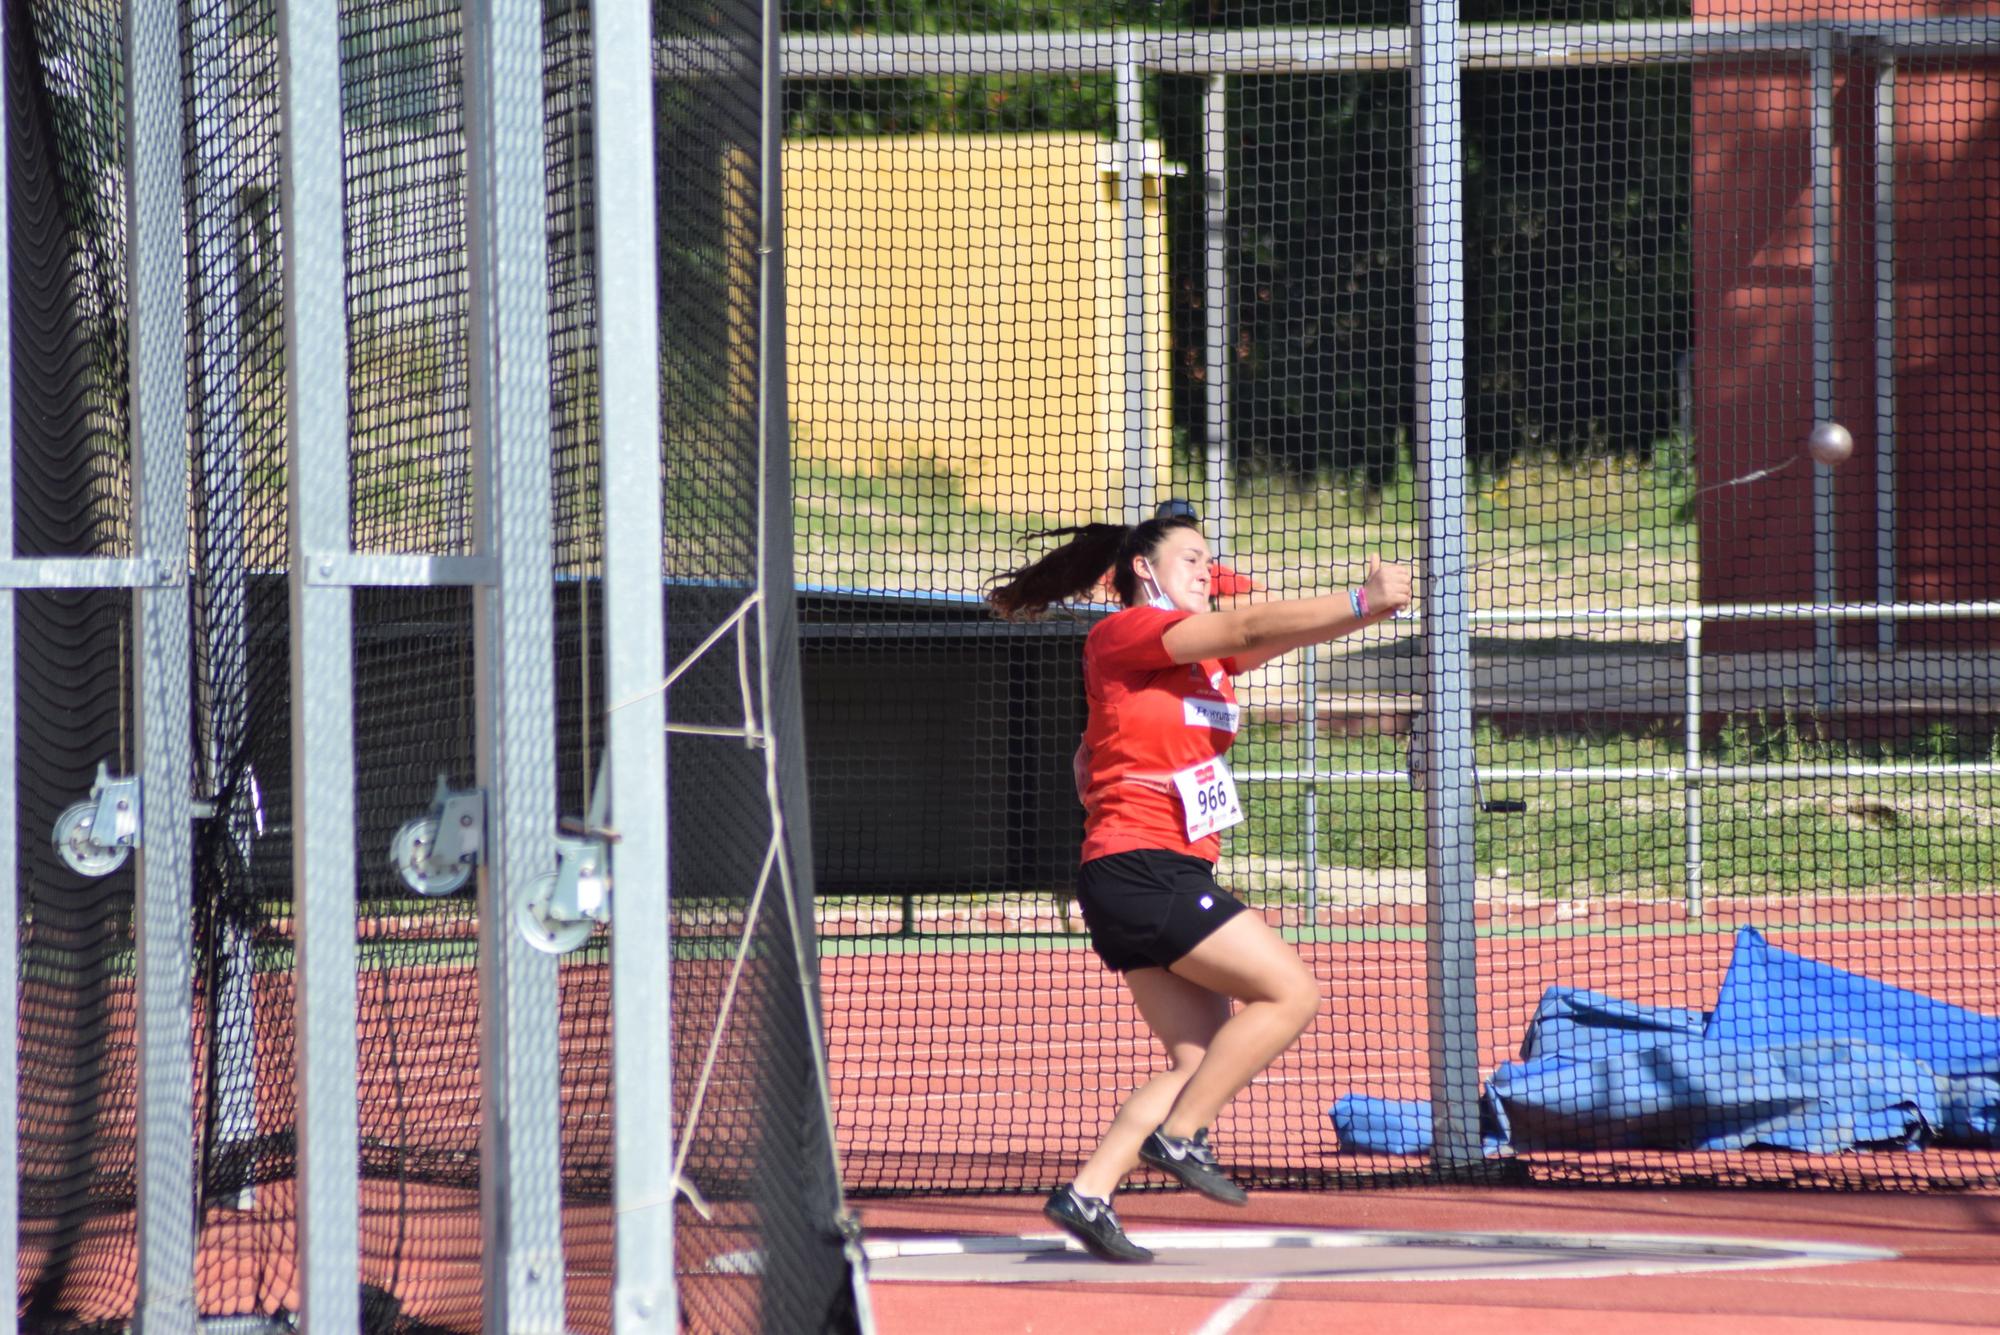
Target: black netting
1728,905
74,1020
993,331
405,146
741,881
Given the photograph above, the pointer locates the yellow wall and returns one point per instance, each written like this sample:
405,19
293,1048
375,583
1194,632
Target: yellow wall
961,300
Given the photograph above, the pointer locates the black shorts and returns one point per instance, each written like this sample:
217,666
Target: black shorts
1150,907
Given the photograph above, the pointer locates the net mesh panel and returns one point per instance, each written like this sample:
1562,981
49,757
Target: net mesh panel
978,307
749,1113
72,496
405,168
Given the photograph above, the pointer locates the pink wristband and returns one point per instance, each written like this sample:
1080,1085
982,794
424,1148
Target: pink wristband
1358,597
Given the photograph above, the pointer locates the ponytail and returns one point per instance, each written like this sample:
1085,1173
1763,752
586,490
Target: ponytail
1076,567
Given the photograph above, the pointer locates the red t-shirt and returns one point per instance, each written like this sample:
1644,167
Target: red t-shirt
1149,717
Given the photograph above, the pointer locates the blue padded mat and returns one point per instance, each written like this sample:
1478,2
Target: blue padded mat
1795,1055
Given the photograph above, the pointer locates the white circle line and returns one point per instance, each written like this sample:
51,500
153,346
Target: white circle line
1542,1255
1224,1318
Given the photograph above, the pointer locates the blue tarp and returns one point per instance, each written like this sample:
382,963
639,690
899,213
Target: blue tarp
1774,996
1795,1055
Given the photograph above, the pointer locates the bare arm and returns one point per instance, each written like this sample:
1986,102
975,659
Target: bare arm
1256,634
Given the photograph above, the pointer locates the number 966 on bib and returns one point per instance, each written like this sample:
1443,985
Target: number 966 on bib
1208,798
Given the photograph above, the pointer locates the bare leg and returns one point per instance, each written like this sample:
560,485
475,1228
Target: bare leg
1247,960
1185,1017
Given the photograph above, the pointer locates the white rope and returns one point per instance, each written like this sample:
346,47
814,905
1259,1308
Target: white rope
734,618
721,1022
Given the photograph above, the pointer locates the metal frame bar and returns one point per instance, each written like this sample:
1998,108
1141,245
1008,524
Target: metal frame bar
1136,470
1824,243
1885,345
644,1297
87,572
1439,235
1319,50
514,670
322,665
1218,311
156,328
10,756
1742,612
1691,759
388,570
1691,773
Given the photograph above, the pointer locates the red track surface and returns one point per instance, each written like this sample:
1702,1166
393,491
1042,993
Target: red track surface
938,1054
941,1059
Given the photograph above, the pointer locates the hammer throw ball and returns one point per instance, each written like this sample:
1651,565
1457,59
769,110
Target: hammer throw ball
1830,444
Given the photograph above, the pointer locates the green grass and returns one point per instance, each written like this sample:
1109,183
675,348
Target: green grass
1544,533
1602,532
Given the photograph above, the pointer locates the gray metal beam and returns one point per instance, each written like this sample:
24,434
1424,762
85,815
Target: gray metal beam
1824,246
156,330
1320,50
513,639
322,666
1216,311
1135,465
1450,947
10,834
87,572
644,1300
1885,347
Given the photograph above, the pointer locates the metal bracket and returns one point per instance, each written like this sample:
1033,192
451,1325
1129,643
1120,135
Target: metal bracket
436,852
562,908
558,911
95,836
89,572
361,570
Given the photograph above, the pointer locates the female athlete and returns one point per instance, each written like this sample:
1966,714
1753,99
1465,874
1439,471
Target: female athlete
1157,795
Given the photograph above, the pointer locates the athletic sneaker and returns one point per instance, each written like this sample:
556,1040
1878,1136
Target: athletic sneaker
1094,1224
1193,1162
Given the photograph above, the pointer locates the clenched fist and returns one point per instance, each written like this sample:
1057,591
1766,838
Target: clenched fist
1387,588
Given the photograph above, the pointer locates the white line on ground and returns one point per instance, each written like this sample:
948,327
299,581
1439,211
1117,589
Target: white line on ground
1225,1317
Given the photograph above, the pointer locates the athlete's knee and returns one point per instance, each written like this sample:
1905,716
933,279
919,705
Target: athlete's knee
1302,1001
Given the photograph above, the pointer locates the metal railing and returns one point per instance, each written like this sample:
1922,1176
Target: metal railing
1692,773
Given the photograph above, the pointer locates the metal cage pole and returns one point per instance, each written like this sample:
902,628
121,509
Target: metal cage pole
1824,250
1216,311
1139,484
644,1300
322,665
1451,955
156,329
10,737
1885,347
520,1184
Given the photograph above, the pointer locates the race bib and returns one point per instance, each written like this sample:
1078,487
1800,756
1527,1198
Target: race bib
1202,712
1208,798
